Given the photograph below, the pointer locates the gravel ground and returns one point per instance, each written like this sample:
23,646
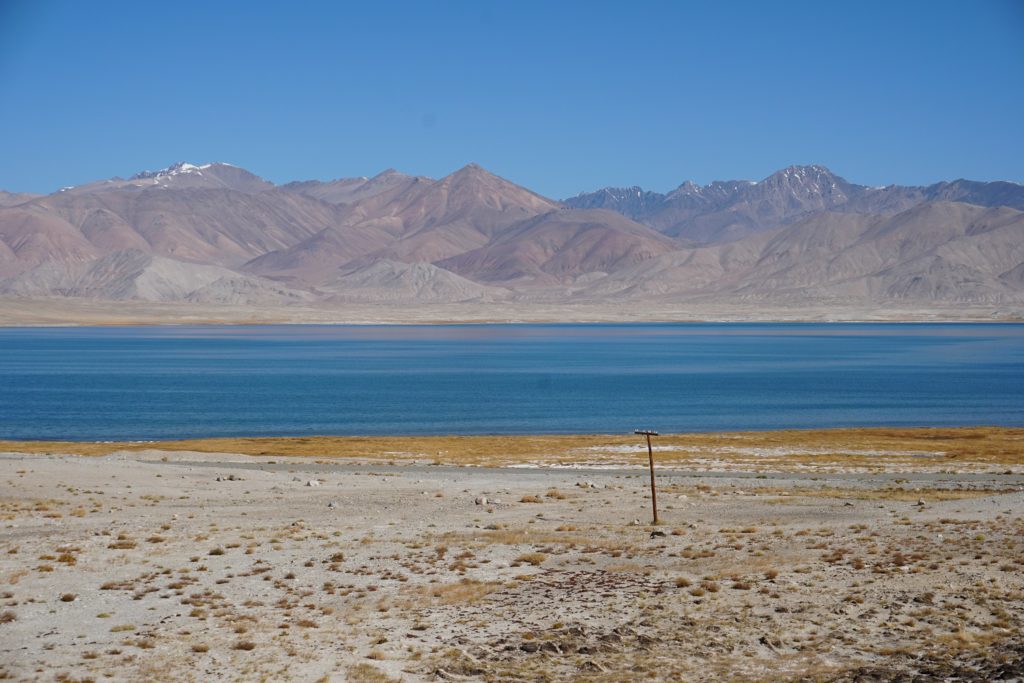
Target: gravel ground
206,567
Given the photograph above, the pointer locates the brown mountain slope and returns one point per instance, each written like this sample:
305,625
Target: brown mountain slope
834,248
561,246
473,236
31,235
320,257
393,281
223,227
135,275
470,196
936,252
422,221
15,198
350,190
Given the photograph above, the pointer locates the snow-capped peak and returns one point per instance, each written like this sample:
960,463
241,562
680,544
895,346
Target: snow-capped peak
180,168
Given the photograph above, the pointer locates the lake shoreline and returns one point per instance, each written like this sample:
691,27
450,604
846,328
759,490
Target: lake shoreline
32,312
918,448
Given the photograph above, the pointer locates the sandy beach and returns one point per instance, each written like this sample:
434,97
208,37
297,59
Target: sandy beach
833,555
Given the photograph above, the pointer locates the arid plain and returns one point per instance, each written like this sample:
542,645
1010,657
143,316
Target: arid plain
824,555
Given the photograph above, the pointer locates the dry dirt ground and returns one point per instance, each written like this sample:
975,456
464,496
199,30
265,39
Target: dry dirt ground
848,556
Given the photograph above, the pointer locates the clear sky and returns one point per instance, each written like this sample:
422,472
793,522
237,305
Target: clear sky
558,96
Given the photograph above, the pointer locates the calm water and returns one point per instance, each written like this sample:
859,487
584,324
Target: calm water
168,382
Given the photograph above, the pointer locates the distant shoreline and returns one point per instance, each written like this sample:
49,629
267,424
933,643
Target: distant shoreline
31,312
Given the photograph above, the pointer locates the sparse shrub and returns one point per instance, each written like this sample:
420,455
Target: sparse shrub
367,673
532,558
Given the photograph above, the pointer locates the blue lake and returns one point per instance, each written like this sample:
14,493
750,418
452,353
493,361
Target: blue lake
136,383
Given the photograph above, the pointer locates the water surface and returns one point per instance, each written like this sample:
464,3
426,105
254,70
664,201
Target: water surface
138,383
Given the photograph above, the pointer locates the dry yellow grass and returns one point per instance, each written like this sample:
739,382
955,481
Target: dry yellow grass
367,673
988,445
465,591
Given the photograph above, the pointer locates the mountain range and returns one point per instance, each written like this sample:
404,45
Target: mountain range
216,234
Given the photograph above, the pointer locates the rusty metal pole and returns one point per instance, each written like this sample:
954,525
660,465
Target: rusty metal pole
650,458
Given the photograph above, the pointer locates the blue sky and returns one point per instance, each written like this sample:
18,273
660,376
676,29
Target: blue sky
560,97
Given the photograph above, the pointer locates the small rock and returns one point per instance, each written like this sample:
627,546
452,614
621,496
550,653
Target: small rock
636,522
332,504
529,646
313,482
481,500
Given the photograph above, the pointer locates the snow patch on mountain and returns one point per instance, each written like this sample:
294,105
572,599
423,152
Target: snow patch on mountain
177,169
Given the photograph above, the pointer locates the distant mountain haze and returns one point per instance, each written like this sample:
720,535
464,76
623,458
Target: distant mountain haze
218,234
727,210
